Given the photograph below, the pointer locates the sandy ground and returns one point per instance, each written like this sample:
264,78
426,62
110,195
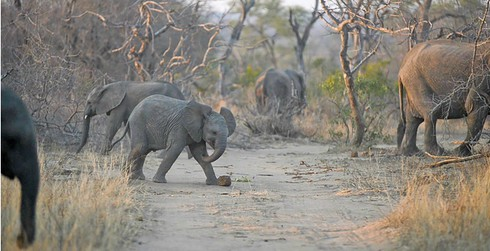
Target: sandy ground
286,196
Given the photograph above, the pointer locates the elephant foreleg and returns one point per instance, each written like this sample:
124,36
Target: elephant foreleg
30,187
169,156
113,126
198,150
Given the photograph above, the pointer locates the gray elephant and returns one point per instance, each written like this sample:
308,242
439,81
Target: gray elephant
161,122
117,101
19,160
437,76
280,91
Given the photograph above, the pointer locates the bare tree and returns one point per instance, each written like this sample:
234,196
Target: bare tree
445,19
357,20
180,55
245,6
301,39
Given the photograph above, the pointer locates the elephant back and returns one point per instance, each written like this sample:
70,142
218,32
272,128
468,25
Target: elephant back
155,117
140,91
276,84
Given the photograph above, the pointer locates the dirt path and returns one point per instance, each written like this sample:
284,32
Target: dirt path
285,197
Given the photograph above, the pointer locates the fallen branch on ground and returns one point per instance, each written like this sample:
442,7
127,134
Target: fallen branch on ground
453,160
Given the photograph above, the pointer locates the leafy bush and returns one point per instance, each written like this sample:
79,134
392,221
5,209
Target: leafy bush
375,93
249,77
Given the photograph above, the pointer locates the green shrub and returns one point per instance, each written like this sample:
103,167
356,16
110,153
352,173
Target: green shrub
375,93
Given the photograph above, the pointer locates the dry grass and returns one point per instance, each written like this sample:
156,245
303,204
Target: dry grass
446,211
84,203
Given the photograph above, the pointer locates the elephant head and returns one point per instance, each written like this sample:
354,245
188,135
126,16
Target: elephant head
101,100
202,123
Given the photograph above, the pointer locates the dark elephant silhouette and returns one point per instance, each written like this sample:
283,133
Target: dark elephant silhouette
19,160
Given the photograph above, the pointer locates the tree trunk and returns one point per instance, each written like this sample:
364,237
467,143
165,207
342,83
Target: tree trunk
302,39
235,36
356,114
424,22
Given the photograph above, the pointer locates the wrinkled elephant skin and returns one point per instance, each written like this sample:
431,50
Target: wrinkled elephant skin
437,77
117,101
160,122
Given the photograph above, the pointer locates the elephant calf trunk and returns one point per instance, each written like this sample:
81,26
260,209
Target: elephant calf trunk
219,149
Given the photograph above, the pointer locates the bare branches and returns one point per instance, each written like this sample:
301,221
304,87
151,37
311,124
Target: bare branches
301,39
182,52
371,53
104,20
246,5
483,21
451,159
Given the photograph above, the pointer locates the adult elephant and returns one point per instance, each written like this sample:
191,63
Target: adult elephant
161,122
19,160
441,84
280,91
117,101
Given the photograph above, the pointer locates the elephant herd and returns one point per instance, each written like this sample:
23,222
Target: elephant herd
442,80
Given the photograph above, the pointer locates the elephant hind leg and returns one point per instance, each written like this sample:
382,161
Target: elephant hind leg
136,159
409,143
430,139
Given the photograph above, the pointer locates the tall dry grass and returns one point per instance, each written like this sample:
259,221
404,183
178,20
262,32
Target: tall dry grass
84,203
447,211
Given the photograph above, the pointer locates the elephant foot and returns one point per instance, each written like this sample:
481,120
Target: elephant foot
22,241
462,150
158,179
412,151
137,176
212,181
437,151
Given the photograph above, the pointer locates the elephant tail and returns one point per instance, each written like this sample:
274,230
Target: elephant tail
117,141
403,121
400,99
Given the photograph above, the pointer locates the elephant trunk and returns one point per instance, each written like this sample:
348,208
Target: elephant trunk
30,188
86,127
219,148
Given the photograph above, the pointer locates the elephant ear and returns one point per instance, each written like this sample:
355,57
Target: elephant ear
193,116
109,97
230,120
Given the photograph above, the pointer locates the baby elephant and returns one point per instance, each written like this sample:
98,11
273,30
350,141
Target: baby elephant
160,122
